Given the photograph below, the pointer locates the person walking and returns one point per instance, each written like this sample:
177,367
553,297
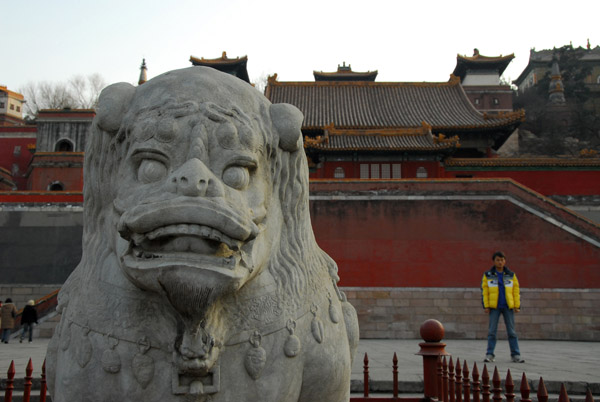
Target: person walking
28,318
500,296
8,312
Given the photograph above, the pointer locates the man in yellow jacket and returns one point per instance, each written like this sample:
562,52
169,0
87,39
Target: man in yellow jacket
500,293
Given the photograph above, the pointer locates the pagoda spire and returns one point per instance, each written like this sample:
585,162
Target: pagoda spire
143,73
556,89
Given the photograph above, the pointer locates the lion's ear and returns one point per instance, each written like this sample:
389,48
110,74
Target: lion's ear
287,120
112,105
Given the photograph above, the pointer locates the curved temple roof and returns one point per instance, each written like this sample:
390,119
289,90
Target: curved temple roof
363,105
413,139
479,62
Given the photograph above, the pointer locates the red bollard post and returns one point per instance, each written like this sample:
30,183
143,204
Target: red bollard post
10,381
445,380
43,386
510,387
542,392
440,379
476,384
525,390
366,376
458,381
432,332
28,378
497,389
395,374
466,383
485,386
451,383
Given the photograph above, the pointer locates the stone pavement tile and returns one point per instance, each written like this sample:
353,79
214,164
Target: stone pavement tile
21,353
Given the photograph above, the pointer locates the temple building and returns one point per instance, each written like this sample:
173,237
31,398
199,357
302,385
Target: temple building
480,78
236,67
360,128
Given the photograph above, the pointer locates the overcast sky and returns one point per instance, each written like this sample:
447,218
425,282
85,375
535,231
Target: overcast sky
404,40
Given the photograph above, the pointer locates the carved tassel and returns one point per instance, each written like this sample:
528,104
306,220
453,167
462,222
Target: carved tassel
292,344
255,357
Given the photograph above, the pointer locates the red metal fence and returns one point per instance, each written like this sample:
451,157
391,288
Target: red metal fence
27,385
444,379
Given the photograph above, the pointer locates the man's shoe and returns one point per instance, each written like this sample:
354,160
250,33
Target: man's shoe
517,359
20,340
489,358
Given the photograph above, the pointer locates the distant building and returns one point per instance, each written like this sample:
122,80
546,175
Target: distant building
57,163
366,129
345,73
540,64
236,67
11,107
480,78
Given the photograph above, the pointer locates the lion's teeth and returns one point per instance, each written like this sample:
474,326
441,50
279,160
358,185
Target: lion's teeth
182,228
155,233
204,231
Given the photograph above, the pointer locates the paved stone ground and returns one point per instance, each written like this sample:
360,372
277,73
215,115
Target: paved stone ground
577,364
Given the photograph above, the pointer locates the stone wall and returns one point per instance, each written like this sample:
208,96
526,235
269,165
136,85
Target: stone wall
21,293
547,314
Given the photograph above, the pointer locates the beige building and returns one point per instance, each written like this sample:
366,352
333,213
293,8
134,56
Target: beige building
11,107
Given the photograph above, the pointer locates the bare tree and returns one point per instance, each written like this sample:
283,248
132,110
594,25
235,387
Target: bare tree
78,93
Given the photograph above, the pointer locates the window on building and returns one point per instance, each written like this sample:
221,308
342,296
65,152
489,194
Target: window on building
364,171
477,101
63,146
339,173
56,186
17,151
396,171
375,171
2,105
385,171
12,107
421,172
18,108
496,101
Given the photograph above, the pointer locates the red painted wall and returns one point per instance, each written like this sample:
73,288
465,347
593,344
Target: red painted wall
547,182
70,177
7,156
449,243
31,197
352,169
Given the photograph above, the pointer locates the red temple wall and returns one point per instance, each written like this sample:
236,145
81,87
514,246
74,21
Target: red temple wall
448,243
70,177
547,182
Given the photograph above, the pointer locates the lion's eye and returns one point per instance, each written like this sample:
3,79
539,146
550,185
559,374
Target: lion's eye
237,177
151,170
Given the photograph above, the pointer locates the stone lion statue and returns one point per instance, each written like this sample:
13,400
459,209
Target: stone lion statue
200,278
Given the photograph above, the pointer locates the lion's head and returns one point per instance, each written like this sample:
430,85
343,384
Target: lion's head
202,182
196,197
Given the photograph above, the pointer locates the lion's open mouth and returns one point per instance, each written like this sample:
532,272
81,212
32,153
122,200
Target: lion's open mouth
183,238
213,236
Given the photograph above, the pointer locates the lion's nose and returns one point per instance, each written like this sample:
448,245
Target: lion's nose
194,179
